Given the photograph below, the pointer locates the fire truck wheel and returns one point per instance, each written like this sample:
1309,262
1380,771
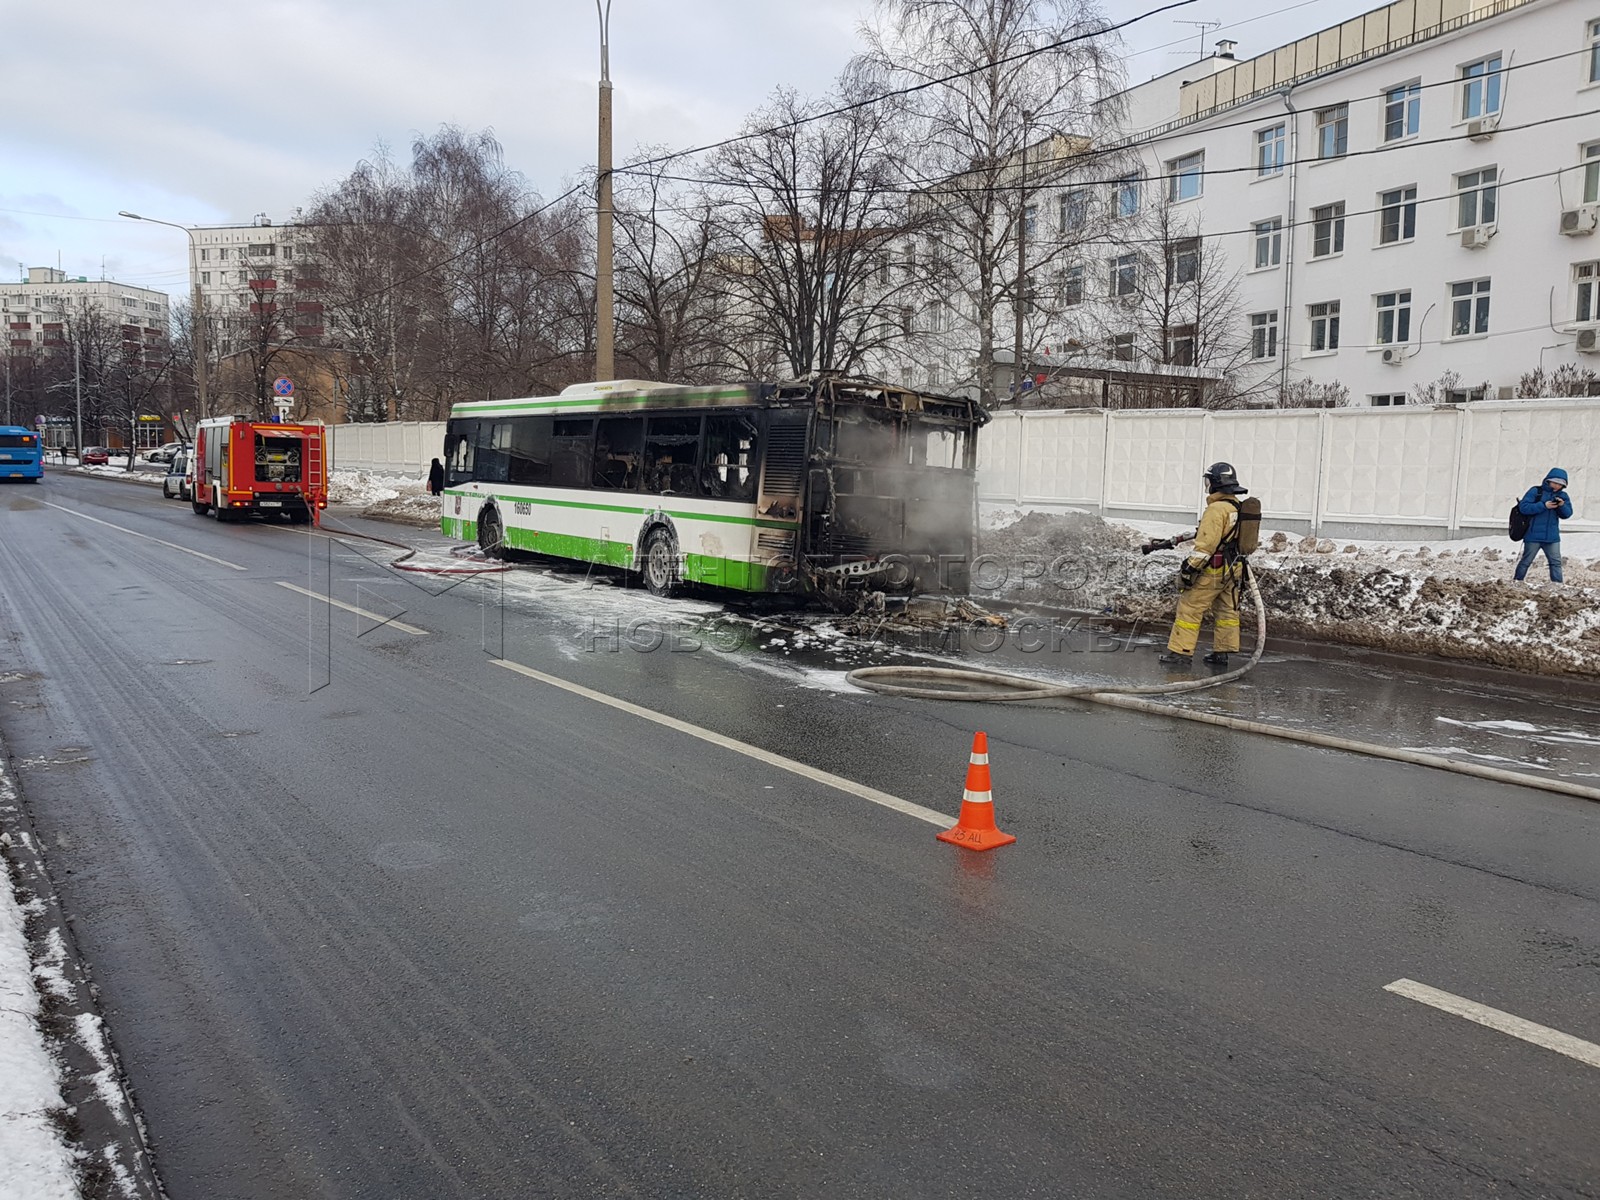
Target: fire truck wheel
490,534
659,562
201,508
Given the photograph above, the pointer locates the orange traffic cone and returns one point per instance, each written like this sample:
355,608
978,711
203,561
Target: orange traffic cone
976,829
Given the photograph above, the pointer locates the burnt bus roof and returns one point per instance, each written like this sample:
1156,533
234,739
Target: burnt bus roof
631,395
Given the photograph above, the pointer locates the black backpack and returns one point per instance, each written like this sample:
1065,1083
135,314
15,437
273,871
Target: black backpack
1517,527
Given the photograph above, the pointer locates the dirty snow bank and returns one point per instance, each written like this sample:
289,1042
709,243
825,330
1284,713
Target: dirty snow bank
1453,599
399,498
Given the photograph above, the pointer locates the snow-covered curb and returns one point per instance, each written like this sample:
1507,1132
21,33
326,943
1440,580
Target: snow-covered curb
400,498
120,474
38,1165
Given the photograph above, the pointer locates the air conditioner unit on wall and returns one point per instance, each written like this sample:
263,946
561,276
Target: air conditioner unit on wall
1476,237
1577,222
1588,341
1482,129
1394,356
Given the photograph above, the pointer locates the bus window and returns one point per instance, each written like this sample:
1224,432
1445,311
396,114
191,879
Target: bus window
571,451
670,450
529,450
728,459
458,452
618,444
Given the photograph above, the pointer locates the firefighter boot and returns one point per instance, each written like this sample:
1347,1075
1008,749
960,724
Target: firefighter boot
1169,659
1217,658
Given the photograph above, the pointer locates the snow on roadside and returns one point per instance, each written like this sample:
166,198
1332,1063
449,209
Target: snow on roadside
1452,599
38,1163
401,498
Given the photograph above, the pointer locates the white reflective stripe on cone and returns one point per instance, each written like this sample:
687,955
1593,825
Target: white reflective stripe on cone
979,760
977,797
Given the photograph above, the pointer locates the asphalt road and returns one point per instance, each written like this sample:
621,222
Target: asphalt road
374,916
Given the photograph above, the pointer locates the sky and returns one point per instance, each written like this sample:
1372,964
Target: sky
200,112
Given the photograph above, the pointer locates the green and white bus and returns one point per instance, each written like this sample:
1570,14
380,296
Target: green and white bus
823,485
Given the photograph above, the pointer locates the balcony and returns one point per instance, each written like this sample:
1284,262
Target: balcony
263,285
266,308
308,306
308,331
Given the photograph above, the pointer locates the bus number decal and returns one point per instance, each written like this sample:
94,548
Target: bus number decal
522,508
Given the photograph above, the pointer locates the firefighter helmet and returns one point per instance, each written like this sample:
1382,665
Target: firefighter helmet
1221,477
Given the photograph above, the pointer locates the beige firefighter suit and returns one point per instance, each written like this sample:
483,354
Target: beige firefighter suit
1217,588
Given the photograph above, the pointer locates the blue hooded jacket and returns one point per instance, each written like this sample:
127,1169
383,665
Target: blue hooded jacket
1546,523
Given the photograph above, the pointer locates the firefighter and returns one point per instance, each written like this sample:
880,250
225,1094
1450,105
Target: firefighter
1210,577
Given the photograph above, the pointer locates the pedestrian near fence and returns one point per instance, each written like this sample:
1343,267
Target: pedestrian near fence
1545,506
436,478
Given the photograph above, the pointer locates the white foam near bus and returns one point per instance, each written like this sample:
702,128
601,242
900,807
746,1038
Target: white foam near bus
817,485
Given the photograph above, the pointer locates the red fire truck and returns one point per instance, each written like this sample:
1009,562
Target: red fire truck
240,466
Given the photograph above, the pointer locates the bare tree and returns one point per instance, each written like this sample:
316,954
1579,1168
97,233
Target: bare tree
995,91
805,209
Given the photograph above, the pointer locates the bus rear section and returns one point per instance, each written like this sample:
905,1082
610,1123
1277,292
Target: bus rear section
242,468
21,456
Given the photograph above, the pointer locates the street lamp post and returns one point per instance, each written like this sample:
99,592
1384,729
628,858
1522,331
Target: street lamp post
604,346
197,316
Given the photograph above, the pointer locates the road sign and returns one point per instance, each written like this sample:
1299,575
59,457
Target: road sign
283,386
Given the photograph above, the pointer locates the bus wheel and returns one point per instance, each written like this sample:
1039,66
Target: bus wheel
491,537
660,563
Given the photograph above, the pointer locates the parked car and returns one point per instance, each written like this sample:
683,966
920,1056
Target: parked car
95,456
176,484
164,453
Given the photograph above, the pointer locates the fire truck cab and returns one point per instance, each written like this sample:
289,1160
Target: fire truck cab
240,466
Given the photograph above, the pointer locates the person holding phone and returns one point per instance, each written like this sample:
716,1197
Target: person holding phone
1546,506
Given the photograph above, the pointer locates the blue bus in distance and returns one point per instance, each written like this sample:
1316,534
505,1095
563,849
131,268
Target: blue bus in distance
21,456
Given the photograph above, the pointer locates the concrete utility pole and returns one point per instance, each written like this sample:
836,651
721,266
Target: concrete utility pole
197,317
77,387
605,332
1022,264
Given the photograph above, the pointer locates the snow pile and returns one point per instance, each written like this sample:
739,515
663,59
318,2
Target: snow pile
388,497
1452,599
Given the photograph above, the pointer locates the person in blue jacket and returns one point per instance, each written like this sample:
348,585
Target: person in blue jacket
1546,506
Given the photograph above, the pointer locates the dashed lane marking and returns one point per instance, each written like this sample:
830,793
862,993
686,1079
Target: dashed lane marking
72,512
727,743
1540,1035
388,622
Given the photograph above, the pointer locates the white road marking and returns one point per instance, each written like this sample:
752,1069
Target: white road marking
738,747
135,533
388,622
1504,1022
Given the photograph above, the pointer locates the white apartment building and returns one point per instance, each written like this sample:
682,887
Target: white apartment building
237,266
35,312
1410,198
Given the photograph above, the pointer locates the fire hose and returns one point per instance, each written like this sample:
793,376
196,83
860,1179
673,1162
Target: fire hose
995,687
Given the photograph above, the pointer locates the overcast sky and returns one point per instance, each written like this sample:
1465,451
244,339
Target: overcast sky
210,111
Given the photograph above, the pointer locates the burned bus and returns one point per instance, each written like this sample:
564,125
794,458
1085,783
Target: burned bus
825,486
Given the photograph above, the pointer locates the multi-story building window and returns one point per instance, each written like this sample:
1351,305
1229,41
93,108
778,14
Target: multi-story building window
935,376
1469,308
1185,176
1181,341
1074,210
205,278
1586,292
205,254
1030,220
1327,230
1394,317
1269,243
1072,285
1263,335
1183,260
1125,196
1593,61
1124,275
1591,173
1324,327
1333,131
1121,347
1480,88
222,254
1387,399
1270,149
1402,111
1475,197
1397,216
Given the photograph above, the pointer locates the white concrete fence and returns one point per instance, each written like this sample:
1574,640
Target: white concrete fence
390,448
1402,474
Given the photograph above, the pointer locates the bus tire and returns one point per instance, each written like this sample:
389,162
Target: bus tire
659,563
491,534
